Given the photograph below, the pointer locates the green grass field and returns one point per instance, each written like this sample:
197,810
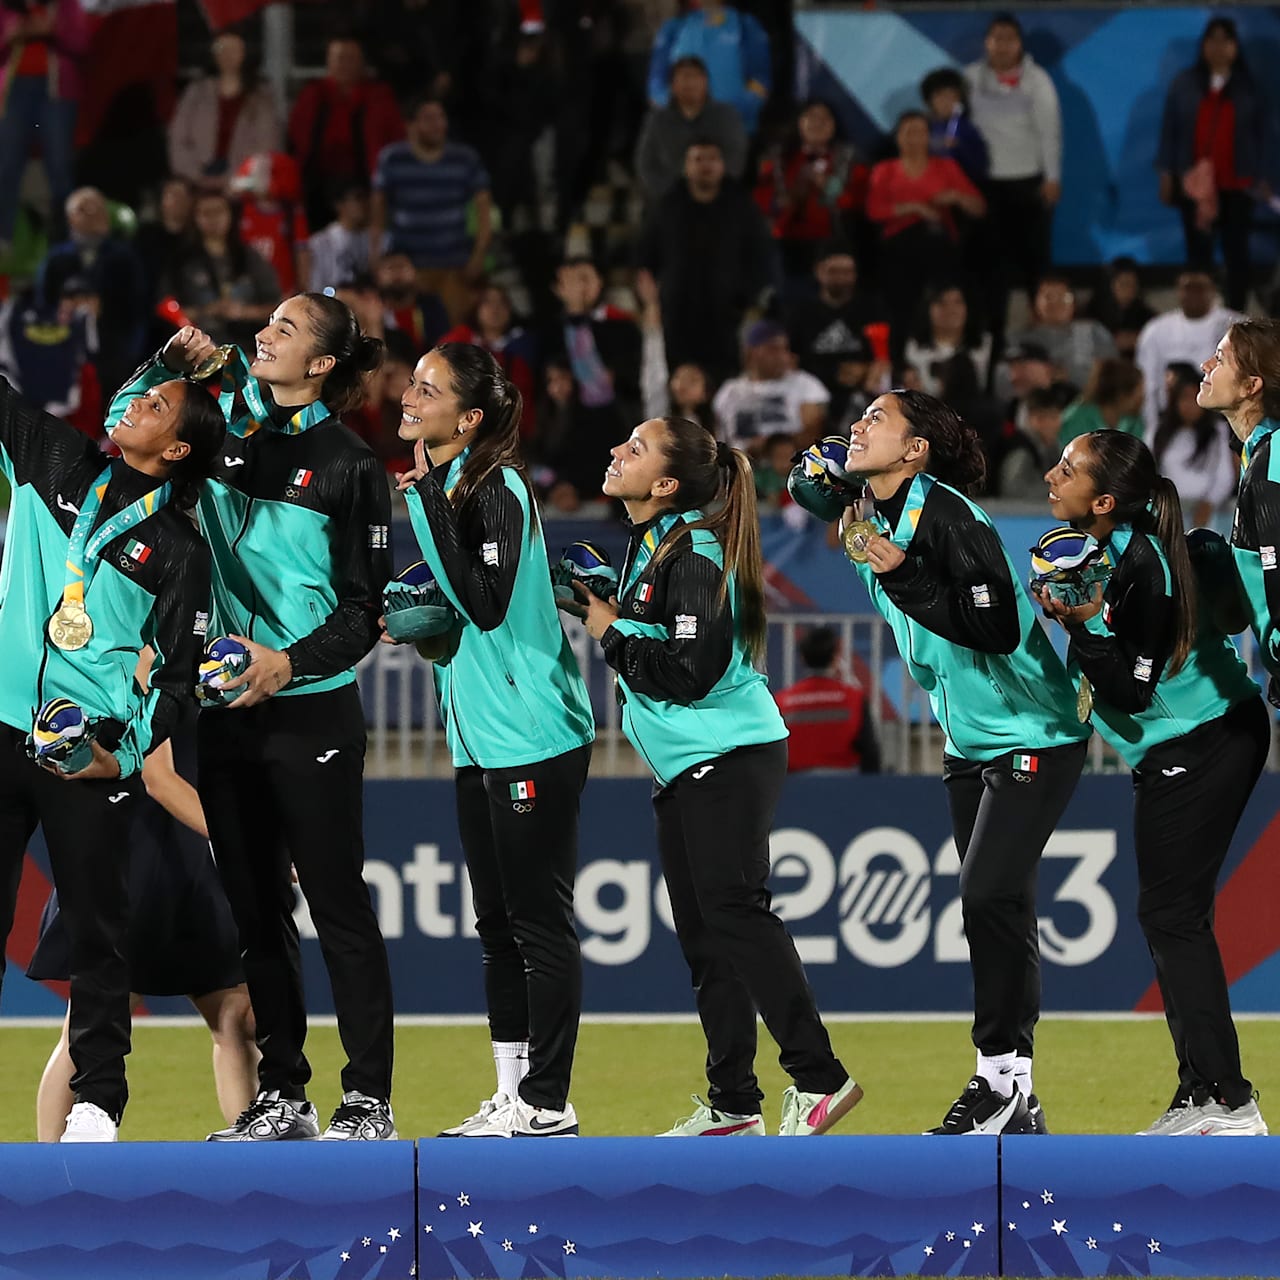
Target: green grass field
1093,1077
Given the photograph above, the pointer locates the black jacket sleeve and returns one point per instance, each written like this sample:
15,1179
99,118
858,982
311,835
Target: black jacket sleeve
172,634
689,663
1123,660
35,443
478,546
362,566
962,592
867,744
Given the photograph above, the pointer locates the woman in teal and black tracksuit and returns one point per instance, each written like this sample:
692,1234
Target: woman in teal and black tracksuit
936,569
297,517
519,726
108,541
1173,697
682,637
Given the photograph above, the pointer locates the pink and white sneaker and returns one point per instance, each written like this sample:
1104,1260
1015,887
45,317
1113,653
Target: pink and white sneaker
708,1122
805,1114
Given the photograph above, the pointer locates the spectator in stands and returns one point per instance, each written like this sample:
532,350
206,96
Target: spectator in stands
1211,154
1112,398
421,45
1187,334
829,333
493,326
828,717
159,243
1015,108
691,396
225,287
222,119
951,129
569,438
1028,368
424,191
339,126
709,250
42,47
339,253
1075,346
770,395
1031,448
267,190
732,46
914,199
947,329
1192,446
112,274
771,470
420,316
811,189
1118,305
691,115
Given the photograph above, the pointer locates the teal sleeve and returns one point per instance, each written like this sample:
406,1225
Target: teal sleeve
151,374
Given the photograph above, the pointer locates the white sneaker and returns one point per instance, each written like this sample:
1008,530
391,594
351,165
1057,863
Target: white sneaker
708,1122
481,1117
89,1123
520,1119
1221,1121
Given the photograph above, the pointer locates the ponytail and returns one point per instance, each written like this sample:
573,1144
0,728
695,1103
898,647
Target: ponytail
337,333
1121,465
713,475
478,381
955,449
202,428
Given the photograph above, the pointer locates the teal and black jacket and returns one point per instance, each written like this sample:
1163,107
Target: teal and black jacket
150,587
967,629
512,694
299,530
688,689
1125,650
1255,539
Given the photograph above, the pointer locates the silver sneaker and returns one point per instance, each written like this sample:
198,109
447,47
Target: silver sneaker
361,1118
271,1118
1183,1118
1244,1121
477,1121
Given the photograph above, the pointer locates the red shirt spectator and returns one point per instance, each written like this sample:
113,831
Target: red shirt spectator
274,232
828,718
936,185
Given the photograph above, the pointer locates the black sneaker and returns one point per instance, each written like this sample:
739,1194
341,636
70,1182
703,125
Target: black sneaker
361,1117
979,1109
271,1118
1035,1121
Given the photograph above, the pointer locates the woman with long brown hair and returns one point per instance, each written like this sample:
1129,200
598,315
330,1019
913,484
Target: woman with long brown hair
518,722
682,635
1172,696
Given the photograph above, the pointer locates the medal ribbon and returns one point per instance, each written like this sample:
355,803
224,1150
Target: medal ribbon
655,533
235,376
909,517
84,548
1259,434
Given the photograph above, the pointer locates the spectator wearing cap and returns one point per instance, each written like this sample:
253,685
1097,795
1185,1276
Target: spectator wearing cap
828,719
951,129
339,252
1119,306
1211,153
828,332
947,329
1027,368
731,45
424,190
811,188
339,126
691,115
1015,108
770,395
1075,346
1189,334
708,249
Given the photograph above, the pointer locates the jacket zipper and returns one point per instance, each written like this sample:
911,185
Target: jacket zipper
653,769
453,719
235,547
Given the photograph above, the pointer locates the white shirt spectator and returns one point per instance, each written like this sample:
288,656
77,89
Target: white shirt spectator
1211,478
748,409
1173,338
1021,123
338,256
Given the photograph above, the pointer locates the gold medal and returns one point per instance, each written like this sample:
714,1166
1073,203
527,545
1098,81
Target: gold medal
213,364
1084,700
70,627
857,540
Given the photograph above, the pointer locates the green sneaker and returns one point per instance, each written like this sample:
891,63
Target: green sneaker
805,1114
707,1122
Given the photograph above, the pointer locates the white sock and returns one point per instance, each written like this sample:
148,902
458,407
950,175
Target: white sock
997,1071
1022,1075
511,1057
